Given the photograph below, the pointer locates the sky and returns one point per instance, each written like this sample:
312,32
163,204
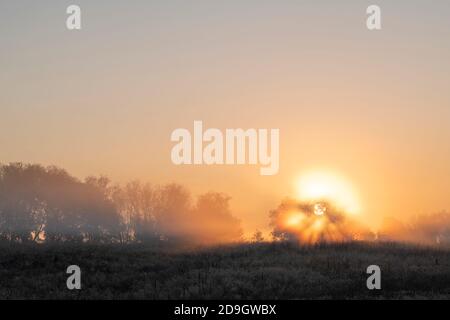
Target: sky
370,106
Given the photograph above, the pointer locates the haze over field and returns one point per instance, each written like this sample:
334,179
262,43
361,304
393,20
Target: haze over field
366,114
47,205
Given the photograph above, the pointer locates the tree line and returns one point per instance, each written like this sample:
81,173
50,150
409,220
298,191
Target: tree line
47,204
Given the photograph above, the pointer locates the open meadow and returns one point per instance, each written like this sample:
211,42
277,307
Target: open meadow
246,271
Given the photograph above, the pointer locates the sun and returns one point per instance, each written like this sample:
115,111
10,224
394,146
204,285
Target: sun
321,185
319,209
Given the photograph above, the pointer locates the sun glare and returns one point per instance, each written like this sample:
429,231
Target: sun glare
294,219
319,209
326,186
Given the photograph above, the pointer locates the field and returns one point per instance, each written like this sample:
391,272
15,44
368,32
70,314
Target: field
246,271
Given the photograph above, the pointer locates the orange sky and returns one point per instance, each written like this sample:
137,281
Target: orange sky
373,107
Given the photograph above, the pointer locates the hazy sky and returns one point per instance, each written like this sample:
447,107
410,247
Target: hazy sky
371,106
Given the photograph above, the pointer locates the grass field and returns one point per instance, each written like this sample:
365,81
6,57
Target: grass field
247,271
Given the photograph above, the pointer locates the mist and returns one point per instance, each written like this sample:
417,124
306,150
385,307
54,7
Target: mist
311,222
428,229
315,222
46,204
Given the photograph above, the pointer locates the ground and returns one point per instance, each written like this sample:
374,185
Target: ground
245,271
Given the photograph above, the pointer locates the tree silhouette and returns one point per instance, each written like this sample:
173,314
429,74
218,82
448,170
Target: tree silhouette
46,204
